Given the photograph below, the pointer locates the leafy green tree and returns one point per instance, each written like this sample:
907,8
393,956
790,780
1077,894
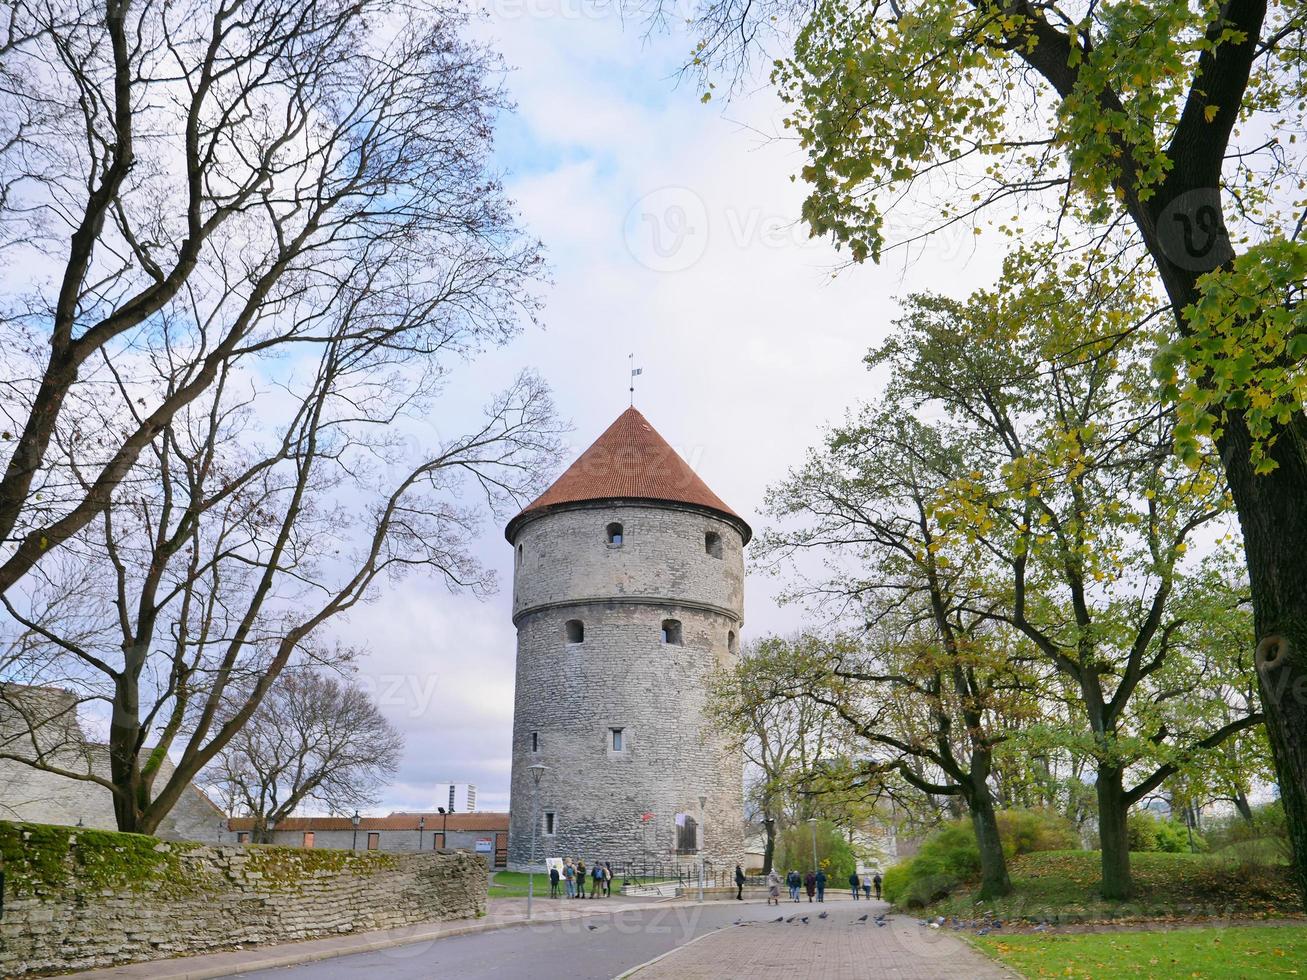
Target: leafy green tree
834,854
1075,516
865,501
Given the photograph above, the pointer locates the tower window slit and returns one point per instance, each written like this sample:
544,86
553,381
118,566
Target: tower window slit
712,544
575,631
614,534
672,631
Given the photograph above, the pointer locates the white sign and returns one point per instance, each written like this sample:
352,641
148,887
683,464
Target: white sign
484,846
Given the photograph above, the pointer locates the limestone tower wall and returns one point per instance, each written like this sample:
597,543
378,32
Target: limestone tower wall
624,609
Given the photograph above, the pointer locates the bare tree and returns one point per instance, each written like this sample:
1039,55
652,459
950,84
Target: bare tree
313,737
185,187
219,566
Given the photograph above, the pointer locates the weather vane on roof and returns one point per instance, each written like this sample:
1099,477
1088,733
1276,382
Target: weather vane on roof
635,372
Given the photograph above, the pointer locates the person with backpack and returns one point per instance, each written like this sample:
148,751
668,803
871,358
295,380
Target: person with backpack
877,881
853,884
597,886
739,883
553,881
580,878
821,885
569,873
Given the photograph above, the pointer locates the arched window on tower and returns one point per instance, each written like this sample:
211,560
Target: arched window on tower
614,535
712,543
519,556
672,631
732,642
575,630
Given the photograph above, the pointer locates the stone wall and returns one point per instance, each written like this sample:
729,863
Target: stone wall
77,899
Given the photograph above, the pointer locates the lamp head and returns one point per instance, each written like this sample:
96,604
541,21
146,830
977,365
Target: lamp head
356,818
536,772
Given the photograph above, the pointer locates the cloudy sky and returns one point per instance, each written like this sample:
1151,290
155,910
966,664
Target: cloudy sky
671,231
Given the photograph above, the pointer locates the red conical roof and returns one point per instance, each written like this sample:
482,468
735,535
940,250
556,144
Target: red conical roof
629,461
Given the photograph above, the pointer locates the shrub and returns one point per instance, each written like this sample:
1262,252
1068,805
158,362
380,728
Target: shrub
1148,832
1028,831
1141,831
1262,840
950,855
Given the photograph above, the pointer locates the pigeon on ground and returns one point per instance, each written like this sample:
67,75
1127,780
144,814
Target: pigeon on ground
779,918
880,923
823,915
804,920
738,921
793,917
983,932
862,918
592,928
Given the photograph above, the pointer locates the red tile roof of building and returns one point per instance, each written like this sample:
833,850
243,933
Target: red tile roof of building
630,461
395,821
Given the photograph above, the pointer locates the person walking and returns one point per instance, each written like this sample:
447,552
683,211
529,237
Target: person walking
810,884
794,881
821,885
739,883
597,888
608,879
580,878
773,887
866,886
853,884
569,872
553,881
877,881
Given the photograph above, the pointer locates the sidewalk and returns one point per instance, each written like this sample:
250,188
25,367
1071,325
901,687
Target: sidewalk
837,948
501,914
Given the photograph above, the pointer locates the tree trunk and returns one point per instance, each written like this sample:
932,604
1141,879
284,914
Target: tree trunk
1242,805
1273,516
994,880
769,850
1113,834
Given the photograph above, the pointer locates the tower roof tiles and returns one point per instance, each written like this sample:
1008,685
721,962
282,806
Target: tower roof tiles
629,461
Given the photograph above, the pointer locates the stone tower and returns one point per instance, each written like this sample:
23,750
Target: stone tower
628,592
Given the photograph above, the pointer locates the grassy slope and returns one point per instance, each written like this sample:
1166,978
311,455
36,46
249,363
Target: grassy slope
1062,885
1212,954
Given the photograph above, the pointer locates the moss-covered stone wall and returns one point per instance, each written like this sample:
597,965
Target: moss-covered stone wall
76,899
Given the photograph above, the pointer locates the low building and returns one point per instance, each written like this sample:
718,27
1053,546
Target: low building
41,724
485,834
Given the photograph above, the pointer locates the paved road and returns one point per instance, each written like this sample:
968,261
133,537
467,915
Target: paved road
568,949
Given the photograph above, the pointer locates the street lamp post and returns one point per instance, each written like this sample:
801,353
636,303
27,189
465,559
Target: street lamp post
812,823
703,802
269,826
422,825
354,844
444,826
536,772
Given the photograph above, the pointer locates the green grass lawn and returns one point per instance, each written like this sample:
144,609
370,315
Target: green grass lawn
1213,954
513,884
1063,885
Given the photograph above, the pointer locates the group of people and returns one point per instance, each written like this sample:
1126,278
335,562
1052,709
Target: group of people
814,883
573,879
867,883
